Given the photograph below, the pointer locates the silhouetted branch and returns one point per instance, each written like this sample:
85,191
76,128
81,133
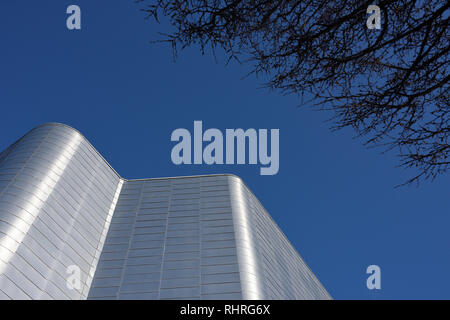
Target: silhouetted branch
390,85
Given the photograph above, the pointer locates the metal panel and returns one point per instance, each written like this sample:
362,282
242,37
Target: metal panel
265,255
204,237
56,198
201,240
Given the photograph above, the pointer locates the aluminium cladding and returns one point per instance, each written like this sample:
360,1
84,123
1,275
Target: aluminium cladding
65,212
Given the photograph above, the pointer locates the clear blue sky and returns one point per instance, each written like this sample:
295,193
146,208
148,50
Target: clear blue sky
333,198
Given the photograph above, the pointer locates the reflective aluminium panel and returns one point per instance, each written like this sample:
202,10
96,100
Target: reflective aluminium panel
72,228
57,197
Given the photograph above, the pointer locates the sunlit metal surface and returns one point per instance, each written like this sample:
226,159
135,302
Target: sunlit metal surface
55,195
204,237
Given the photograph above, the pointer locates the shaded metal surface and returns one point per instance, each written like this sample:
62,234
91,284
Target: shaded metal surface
204,237
170,239
270,266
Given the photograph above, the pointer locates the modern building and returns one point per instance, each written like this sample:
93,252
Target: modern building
72,228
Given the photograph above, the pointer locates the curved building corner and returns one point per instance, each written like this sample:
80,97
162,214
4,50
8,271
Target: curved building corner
72,228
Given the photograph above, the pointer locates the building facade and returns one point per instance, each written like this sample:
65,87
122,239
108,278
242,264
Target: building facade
65,213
